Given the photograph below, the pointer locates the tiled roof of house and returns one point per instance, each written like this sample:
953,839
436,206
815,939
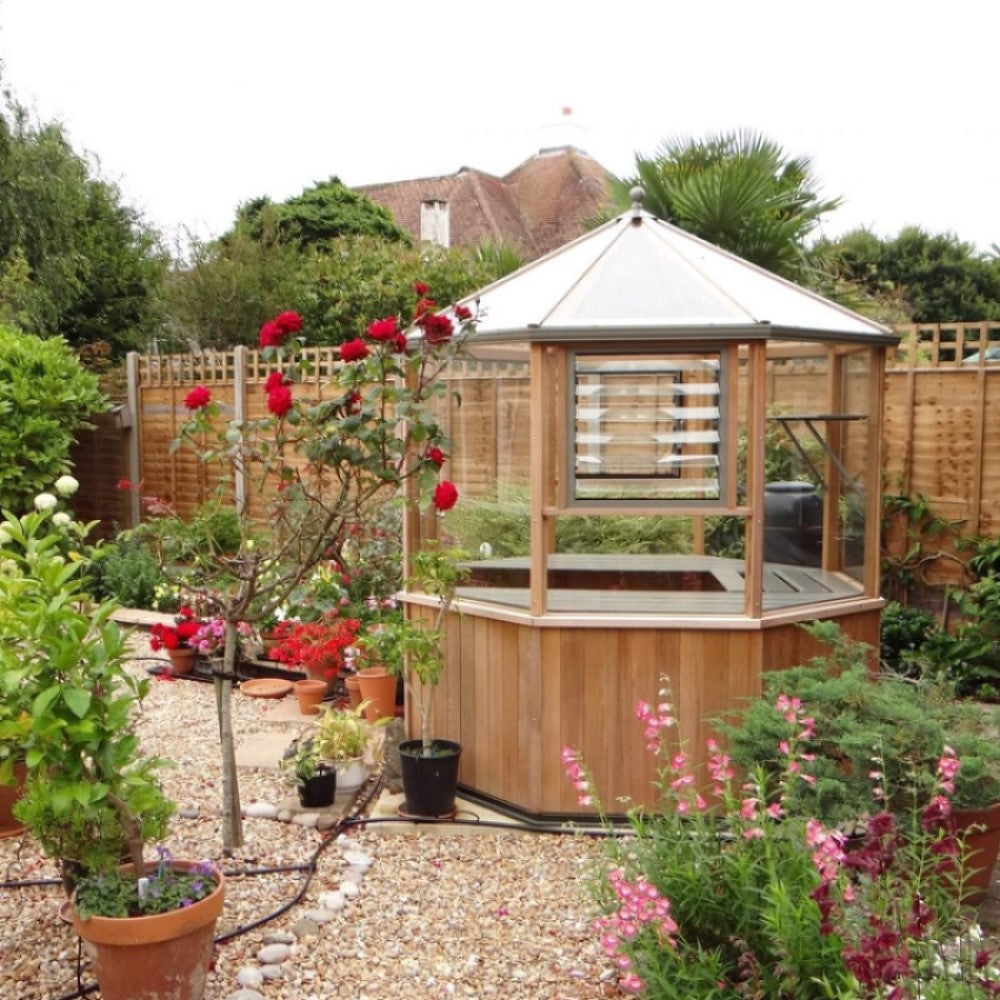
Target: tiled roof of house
538,206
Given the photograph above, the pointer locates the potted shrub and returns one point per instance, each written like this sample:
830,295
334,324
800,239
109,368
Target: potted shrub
317,647
414,648
343,738
180,640
874,731
314,779
90,794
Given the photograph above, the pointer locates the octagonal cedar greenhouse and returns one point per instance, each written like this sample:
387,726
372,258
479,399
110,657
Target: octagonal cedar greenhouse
668,458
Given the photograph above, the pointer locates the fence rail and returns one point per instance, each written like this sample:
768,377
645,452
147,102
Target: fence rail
941,412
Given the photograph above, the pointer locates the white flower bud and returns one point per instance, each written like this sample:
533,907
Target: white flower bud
61,518
66,486
45,501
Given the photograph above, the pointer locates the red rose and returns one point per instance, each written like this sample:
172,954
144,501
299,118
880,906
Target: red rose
198,397
279,400
186,611
435,455
271,335
437,328
383,329
445,495
421,289
463,313
288,322
353,350
274,380
353,402
399,345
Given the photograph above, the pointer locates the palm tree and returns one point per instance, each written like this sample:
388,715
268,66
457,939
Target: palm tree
737,190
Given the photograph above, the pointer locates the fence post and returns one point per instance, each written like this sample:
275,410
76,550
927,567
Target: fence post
240,356
133,463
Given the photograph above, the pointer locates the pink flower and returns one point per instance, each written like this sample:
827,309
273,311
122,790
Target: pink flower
754,833
274,380
198,398
438,329
445,495
271,335
383,329
354,350
279,400
288,322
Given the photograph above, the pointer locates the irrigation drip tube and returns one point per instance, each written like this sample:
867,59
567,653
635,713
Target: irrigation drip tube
355,819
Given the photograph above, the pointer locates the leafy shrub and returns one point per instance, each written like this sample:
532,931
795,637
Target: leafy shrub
127,571
905,634
45,398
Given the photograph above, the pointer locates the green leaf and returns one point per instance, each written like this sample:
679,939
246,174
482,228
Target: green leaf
77,700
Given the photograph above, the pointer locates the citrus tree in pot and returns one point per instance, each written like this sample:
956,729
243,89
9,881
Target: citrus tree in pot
415,648
90,794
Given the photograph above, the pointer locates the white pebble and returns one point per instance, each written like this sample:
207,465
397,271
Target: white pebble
355,875
350,890
306,819
319,916
246,995
262,810
358,859
249,976
285,816
273,954
271,972
333,900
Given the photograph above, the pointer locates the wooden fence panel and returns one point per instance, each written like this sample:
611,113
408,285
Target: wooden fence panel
942,404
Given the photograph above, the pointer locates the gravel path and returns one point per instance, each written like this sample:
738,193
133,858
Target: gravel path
491,915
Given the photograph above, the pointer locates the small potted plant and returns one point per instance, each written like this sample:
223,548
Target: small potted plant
179,640
415,648
317,647
90,792
315,780
343,737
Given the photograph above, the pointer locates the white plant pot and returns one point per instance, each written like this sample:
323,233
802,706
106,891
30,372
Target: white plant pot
351,774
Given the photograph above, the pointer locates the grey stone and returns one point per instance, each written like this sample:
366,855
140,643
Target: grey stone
188,813
273,954
392,774
270,972
279,937
304,928
262,810
249,976
285,816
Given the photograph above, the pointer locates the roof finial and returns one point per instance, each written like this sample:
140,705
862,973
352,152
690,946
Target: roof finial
637,194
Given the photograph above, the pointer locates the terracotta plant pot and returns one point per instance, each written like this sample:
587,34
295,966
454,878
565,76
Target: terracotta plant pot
9,794
979,830
353,685
378,688
310,694
165,956
182,661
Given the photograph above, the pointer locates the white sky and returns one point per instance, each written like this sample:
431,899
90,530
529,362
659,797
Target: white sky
193,107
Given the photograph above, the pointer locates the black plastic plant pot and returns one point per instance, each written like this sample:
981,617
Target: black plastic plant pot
429,782
319,790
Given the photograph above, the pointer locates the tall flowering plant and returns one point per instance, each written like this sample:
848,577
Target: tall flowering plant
726,892
318,647
321,463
